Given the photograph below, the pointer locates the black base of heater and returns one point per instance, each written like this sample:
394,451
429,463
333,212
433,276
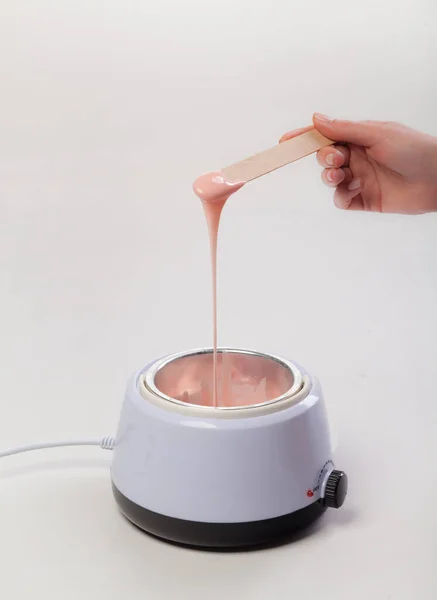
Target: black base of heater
218,535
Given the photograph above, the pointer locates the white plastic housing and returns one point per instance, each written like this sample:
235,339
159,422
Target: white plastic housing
215,468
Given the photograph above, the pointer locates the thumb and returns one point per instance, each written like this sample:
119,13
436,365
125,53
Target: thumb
361,133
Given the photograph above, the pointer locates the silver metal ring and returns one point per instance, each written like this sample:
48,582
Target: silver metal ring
148,378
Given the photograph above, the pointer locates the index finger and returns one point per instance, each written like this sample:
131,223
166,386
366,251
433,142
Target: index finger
295,133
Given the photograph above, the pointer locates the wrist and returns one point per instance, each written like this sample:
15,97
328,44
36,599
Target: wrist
434,172
431,168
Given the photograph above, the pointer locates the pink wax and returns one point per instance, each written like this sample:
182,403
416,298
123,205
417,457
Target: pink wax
214,190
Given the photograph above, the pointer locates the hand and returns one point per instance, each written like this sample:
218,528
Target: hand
378,166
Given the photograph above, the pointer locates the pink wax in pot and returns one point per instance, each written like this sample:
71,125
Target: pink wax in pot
243,379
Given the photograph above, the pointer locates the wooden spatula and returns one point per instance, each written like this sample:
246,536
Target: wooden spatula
276,157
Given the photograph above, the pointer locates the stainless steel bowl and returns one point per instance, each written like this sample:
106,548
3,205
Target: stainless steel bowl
179,378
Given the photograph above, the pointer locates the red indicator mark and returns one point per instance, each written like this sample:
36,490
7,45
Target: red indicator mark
310,493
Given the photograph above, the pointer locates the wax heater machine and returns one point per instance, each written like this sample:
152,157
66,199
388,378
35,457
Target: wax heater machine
224,476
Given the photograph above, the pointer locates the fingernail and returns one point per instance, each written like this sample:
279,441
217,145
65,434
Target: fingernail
341,202
330,176
330,160
323,118
354,184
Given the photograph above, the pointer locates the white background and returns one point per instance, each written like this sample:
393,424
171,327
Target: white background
109,110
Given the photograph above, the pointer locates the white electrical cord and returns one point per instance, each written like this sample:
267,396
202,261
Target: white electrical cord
106,443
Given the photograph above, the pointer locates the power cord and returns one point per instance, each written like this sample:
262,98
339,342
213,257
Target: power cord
106,443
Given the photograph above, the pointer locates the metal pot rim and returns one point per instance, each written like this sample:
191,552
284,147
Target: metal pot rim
148,378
